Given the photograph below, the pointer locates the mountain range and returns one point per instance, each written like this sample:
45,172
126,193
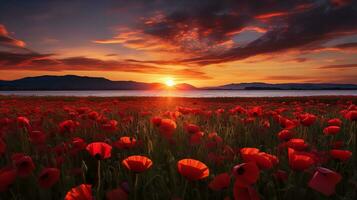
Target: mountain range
72,82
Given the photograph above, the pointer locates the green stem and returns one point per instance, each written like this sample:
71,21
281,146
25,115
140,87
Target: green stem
184,190
13,195
136,186
98,186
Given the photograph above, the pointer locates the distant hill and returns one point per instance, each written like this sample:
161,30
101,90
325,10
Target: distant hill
284,86
71,82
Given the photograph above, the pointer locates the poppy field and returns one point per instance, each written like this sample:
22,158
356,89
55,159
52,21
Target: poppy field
178,148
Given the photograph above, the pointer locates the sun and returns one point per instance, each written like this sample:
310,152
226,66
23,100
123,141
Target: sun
169,82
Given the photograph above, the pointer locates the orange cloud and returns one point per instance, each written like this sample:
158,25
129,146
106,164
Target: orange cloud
135,39
248,28
191,74
289,78
7,40
271,15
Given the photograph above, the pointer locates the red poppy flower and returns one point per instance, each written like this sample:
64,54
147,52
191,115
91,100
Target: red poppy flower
221,181
7,177
214,140
196,138
246,174
297,144
324,181
137,164
237,109
244,193
192,169
145,113
81,192
99,150
192,128
24,122
331,130
167,128
117,194
256,111
37,137
334,122
342,155
248,120
248,151
2,146
78,143
59,161
286,123
215,136
93,115
285,135
307,119
219,111
5,122
68,126
352,115
48,177
23,164
83,110
125,143
265,160
228,152
299,160
60,149
266,124
156,121
110,126
261,159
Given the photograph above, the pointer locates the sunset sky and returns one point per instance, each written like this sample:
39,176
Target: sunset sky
204,43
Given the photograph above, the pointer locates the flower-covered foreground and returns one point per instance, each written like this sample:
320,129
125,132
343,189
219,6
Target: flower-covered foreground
178,148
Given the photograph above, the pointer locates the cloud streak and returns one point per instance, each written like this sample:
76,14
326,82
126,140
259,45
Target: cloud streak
8,41
340,66
46,62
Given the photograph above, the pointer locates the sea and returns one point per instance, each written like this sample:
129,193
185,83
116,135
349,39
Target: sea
186,93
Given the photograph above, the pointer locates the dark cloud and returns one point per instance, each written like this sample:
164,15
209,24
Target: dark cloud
351,45
315,26
201,27
92,64
339,66
9,59
46,62
206,29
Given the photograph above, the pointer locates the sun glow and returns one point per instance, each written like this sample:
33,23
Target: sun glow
169,82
